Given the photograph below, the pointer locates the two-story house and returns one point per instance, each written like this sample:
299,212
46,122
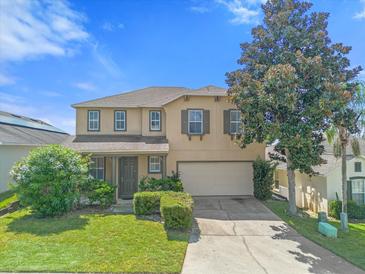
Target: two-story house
157,130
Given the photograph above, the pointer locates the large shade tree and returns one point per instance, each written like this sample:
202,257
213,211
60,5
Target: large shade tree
289,84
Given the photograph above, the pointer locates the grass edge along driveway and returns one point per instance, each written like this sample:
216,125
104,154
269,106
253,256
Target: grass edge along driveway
82,242
350,246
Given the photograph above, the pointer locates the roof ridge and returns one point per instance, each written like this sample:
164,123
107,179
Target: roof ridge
128,92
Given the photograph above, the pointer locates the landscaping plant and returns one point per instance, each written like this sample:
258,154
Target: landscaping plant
263,178
164,184
288,86
49,178
100,192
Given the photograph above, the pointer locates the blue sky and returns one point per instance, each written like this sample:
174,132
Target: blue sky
55,53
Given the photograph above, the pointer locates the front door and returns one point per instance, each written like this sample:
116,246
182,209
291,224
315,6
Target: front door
128,183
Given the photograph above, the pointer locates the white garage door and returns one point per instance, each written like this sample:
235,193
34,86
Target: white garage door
217,178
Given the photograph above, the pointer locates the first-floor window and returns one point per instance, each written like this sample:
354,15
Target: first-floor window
234,121
154,164
195,120
358,190
96,168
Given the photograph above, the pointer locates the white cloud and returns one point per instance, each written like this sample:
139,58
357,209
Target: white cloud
108,26
6,80
106,61
85,85
362,75
33,28
244,11
361,14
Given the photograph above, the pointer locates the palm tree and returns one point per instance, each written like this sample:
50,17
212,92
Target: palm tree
340,135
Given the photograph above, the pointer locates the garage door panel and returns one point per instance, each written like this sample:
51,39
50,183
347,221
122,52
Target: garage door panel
217,178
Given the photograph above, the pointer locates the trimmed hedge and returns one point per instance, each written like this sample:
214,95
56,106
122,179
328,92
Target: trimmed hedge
146,203
354,210
165,184
176,208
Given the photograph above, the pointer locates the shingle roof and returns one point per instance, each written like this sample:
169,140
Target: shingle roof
21,130
110,145
16,135
332,161
151,97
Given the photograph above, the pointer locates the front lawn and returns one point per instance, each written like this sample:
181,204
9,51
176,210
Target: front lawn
350,246
88,242
6,198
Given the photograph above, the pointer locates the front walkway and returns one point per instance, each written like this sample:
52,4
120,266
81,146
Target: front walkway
240,235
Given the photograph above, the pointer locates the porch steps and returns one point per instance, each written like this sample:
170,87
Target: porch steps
123,207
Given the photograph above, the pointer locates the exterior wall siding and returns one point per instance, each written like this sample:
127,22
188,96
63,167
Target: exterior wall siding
9,155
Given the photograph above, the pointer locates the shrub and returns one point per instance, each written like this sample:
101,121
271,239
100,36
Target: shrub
334,208
354,211
49,178
263,181
146,203
100,192
177,210
165,184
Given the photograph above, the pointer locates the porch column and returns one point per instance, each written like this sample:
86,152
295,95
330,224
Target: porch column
115,175
164,166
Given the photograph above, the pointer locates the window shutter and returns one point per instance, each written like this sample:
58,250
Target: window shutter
184,121
226,120
206,121
349,190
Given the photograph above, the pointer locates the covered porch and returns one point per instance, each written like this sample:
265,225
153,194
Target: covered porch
124,162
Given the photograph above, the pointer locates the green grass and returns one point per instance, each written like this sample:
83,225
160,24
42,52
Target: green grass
350,246
6,198
88,243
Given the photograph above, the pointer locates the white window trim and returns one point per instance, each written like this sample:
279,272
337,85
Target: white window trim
97,168
234,122
91,121
119,120
155,120
150,165
201,122
362,180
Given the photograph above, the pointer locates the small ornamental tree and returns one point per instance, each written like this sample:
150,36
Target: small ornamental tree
49,179
289,84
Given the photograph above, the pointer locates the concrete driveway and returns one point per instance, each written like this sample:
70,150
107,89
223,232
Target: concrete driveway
240,235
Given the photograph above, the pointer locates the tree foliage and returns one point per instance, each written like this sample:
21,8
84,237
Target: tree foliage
49,179
289,84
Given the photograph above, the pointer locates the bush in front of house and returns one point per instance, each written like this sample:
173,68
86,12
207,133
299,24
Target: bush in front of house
164,184
354,211
49,179
146,203
100,192
263,172
177,210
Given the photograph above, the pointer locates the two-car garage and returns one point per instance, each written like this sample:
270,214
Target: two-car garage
217,178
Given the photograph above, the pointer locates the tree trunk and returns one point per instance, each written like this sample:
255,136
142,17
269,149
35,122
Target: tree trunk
291,185
344,141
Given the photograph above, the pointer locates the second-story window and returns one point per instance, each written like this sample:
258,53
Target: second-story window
195,121
119,120
234,121
155,120
93,120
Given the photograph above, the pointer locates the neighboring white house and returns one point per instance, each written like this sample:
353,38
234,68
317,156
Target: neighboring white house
18,135
314,192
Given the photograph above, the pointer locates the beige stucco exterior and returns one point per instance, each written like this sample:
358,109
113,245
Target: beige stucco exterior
314,192
137,122
214,146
